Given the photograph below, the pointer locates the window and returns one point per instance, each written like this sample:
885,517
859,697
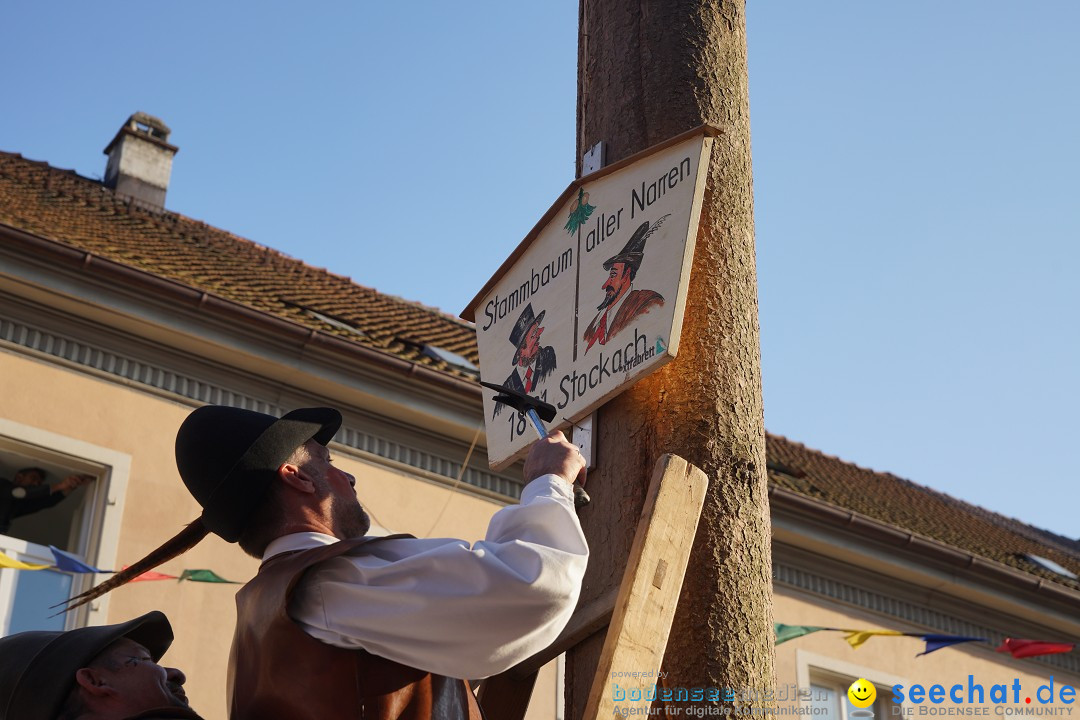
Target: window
1048,564
26,596
85,524
829,679
36,524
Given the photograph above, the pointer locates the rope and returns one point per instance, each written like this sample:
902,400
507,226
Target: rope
457,482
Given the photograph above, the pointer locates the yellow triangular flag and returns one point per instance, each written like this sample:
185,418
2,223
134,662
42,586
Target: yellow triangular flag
855,638
10,562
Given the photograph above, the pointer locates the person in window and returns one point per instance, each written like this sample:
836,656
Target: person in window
108,672
27,492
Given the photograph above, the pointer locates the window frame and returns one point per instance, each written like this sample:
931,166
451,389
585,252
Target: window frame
99,527
812,668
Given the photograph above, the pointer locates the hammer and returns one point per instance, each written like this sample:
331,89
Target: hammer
534,408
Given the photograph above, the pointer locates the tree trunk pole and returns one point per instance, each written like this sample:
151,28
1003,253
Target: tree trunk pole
648,71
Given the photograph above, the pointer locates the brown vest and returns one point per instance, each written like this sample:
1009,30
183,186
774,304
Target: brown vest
279,672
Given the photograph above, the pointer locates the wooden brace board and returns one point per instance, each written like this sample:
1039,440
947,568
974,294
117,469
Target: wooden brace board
638,616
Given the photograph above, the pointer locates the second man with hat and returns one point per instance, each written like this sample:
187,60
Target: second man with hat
106,672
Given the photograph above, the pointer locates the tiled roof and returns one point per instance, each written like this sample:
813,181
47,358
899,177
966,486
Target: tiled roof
62,206
918,509
65,207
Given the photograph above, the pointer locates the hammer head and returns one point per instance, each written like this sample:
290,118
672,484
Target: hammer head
522,402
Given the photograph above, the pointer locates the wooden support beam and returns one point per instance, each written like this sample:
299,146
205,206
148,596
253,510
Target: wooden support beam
638,633
506,696
638,613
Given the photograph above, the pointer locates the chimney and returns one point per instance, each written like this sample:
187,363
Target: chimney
140,160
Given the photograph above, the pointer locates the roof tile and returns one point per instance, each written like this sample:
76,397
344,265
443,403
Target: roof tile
64,207
918,509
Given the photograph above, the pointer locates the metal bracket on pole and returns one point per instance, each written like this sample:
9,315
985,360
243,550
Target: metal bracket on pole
583,438
593,159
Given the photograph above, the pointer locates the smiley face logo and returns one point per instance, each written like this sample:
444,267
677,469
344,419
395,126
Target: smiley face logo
861,693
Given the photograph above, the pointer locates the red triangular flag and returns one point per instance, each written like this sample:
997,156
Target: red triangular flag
1031,648
151,575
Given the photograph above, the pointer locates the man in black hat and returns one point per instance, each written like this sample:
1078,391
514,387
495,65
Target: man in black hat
109,672
27,492
621,303
532,361
337,624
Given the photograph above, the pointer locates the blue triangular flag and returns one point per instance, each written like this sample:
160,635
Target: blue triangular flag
69,563
936,642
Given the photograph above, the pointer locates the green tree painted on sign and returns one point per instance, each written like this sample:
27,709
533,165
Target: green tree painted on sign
579,214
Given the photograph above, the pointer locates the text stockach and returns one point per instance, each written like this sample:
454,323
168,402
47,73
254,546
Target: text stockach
625,359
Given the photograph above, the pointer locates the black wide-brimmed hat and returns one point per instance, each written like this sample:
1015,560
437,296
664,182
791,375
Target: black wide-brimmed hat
634,250
37,669
521,329
228,456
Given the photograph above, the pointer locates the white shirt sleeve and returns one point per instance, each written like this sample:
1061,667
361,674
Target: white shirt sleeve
450,609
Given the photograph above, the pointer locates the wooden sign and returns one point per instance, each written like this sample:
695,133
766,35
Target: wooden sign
593,298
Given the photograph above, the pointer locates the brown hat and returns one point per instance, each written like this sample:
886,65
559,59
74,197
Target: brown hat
37,669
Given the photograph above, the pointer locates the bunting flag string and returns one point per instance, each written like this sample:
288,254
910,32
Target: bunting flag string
67,562
1018,648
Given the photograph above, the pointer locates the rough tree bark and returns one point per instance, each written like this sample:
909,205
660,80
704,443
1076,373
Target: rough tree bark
647,71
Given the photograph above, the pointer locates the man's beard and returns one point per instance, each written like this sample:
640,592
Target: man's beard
179,697
609,298
350,518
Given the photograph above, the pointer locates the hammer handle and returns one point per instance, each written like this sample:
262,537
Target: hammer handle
581,498
537,424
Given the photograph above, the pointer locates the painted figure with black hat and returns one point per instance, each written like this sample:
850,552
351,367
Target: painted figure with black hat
532,361
340,625
108,672
621,303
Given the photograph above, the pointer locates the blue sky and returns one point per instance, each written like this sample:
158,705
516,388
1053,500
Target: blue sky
914,163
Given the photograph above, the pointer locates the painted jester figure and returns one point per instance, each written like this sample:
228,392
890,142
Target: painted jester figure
340,625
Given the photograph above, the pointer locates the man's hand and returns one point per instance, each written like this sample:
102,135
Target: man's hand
72,482
555,455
